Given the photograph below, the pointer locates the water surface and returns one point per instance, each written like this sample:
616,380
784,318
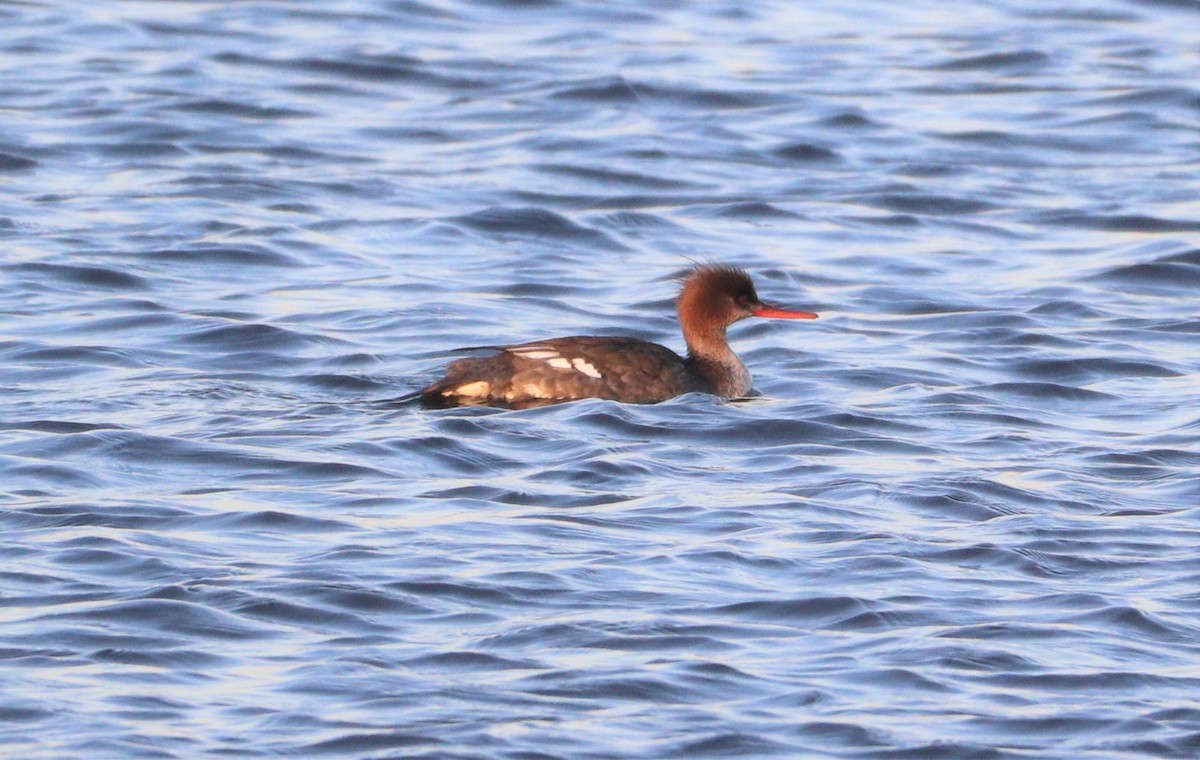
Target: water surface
960,519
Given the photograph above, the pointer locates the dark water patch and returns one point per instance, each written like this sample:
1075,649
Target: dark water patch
987,556
614,177
659,640
220,107
580,685
988,137
731,744
363,68
1158,275
124,517
303,155
902,679
47,474
1070,557
1148,96
890,220
804,152
150,454
138,150
1099,15
170,616
927,204
1007,631
1184,746
622,91
635,222
1114,222
218,256
443,591
470,662
779,432
928,169
13,163
340,383
890,619
722,676
1188,327
232,186
1006,335
249,337
1017,61
1137,624
118,561
412,9
183,29
1103,682
972,661
840,734
1073,309
174,659
463,458
271,521
755,210
360,600
294,208
965,501
81,356
566,500
1087,370
615,90
563,634
1191,257
303,614
11,714
139,130
1047,391
58,426
815,611
848,120
1149,458
649,201
873,424
915,303
472,495
372,742
940,750
1176,714
535,223
898,268
1127,120
89,276
410,133
529,291
598,474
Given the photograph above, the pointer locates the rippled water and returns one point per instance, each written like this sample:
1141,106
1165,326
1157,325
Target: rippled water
959,521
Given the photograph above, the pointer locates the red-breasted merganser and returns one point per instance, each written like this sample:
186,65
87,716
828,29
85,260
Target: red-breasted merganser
622,369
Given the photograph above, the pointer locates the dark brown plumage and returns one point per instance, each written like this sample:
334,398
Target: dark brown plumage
623,369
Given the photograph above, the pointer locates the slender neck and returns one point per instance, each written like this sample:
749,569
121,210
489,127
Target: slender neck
706,341
711,357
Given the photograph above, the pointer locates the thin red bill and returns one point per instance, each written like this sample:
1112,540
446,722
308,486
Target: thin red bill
772,312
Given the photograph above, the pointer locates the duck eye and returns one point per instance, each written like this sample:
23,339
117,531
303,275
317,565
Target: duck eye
743,300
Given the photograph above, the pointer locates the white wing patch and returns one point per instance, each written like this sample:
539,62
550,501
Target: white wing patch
553,358
536,352
586,368
478,388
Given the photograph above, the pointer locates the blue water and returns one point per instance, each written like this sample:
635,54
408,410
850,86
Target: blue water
959,521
